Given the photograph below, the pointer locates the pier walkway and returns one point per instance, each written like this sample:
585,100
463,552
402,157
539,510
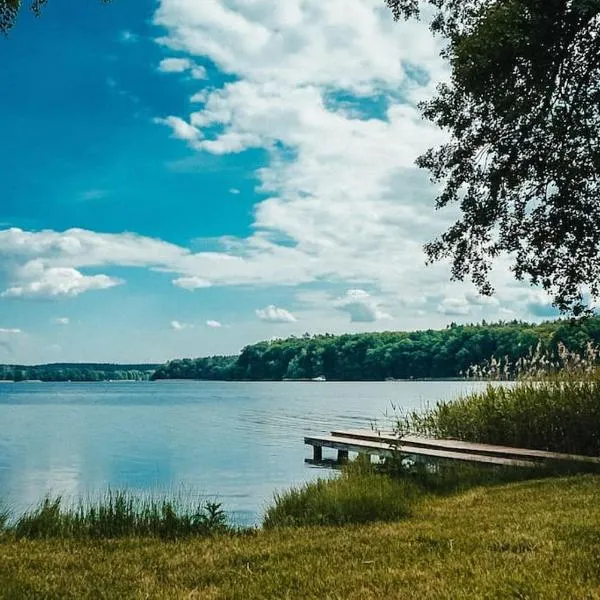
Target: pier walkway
387,444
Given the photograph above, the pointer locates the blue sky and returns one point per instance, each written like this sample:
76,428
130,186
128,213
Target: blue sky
182,178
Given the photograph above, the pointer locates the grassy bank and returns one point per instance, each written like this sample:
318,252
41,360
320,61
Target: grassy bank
399,531
359,495
536,539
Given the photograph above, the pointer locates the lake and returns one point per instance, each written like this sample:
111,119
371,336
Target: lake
238,442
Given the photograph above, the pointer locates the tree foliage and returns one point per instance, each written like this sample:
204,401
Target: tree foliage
9,10
77,372
445,353
522,109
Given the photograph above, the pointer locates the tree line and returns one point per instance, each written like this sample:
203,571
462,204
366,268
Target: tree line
426,354
445,353
76,372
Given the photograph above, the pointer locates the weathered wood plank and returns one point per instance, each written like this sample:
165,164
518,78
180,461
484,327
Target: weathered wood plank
382,448
467,447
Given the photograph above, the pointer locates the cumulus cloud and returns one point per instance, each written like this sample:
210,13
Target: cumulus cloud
59,281
454,307
191,283
361,307
213,324
62,321
234,191
273,314
179,326
342,181
344,202
479,300
181,130
182,65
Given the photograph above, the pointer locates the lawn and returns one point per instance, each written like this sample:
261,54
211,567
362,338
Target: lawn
535,539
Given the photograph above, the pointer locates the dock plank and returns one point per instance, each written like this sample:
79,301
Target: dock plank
382,448
466,447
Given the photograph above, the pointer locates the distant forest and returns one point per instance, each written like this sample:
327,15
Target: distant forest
446,353
430,354
76,372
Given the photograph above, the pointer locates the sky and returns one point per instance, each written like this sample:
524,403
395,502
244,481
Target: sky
183,178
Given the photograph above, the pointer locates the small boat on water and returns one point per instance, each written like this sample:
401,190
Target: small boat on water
319,378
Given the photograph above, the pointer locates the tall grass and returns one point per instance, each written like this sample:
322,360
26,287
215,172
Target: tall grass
555,404
120,514
358,495
4,517
560,413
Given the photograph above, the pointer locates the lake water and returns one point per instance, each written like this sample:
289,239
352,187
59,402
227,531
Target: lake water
238,442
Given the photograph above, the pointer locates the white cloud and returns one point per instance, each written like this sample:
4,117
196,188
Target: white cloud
181,129
59,281
234,191
479,300
182,65
361,307
10,331
273,314
191,283
342,181
344,202
62,321
454,307
174,65
213,324
179,326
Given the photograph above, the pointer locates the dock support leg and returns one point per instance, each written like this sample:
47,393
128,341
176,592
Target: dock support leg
317,453
342,456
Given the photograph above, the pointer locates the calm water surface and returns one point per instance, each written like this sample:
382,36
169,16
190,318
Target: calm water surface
239,442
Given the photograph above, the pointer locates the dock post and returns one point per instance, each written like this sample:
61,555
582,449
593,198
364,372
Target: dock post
317,453
342,456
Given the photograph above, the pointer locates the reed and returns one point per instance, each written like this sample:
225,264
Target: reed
120,514
4,517
559,412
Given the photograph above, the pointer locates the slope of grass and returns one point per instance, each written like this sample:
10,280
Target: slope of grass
359,495
535,539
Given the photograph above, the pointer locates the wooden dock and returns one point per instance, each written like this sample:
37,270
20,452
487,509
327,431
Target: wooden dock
387,444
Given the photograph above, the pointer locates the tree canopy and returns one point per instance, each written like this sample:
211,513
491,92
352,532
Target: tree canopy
77,372
444,353
9,10
522,109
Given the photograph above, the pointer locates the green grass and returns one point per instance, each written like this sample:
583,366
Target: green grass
537,539
560,414
358,495
118,514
